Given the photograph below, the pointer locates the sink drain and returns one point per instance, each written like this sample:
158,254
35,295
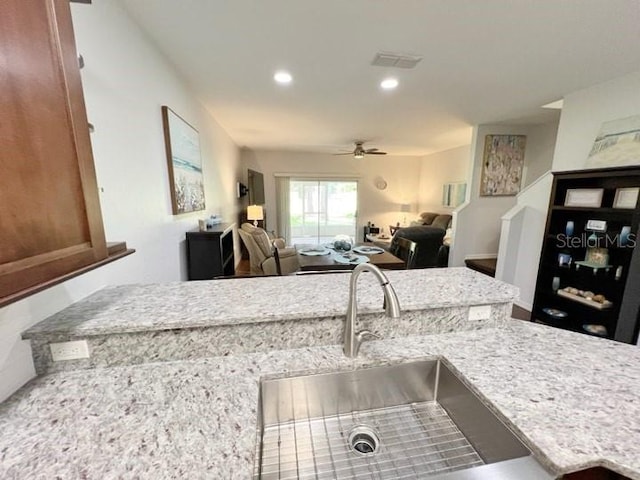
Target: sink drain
363,440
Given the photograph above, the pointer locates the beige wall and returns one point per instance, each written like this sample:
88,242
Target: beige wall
541,144
402,175
477,225
440,168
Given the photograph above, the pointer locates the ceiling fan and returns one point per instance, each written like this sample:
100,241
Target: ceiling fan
359,151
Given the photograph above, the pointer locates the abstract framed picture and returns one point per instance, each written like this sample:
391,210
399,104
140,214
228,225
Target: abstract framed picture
186,182
502,165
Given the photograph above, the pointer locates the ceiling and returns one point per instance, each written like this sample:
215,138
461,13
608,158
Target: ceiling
483,61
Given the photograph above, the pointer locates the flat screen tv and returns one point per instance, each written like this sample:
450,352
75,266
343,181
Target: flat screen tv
256,187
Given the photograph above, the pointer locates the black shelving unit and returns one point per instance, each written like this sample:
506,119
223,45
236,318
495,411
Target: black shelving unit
210,252
620,284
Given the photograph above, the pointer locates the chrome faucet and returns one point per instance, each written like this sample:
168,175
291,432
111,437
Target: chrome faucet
352,340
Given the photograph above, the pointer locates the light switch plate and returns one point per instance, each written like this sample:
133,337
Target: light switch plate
69,350
481,312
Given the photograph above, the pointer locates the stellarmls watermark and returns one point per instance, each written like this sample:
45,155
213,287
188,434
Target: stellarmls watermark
596,241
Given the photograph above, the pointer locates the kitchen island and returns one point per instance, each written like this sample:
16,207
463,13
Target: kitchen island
573,399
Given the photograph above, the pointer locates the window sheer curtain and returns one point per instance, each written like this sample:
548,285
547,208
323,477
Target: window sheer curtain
283,208
314,208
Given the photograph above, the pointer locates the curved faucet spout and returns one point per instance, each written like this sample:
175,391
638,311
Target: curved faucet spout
352,340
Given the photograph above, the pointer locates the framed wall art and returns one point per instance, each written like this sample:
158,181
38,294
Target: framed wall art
626,198
185,163
502,165
617,144
453,194
584,197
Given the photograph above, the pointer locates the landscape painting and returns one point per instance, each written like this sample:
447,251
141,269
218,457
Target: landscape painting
185,163
617,144
502,165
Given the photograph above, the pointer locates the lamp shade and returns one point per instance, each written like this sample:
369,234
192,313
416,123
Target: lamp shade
255,212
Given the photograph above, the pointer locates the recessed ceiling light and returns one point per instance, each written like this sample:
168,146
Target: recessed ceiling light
283,77
389,83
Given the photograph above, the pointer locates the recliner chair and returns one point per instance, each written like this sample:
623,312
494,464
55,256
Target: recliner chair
261,257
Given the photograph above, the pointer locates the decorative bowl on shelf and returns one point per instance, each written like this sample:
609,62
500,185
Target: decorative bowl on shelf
599,330
555,313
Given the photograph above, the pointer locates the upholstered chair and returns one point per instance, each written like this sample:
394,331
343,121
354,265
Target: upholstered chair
261,252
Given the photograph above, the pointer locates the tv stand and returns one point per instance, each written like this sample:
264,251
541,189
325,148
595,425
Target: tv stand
210,252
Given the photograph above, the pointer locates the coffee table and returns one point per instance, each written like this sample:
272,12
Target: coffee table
383,260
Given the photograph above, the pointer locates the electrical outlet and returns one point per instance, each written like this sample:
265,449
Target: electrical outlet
482,312
69,350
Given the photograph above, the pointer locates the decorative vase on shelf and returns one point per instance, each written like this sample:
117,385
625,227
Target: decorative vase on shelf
569,228
624,235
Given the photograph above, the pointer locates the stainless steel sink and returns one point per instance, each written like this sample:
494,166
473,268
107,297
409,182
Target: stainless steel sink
412,420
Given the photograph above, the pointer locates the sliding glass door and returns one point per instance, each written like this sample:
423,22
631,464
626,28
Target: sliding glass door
321,209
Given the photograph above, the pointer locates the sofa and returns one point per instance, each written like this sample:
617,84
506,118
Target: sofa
431,219
428,232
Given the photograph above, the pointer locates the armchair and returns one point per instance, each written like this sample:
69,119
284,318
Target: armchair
261,252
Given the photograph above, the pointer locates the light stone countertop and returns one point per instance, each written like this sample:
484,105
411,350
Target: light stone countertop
574,398
139,308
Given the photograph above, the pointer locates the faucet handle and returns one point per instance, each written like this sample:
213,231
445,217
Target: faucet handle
367,335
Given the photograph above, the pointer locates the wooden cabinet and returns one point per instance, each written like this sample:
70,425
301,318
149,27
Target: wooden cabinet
50,219
210,253
591,249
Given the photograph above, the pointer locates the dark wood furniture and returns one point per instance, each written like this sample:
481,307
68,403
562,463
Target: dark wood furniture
325,262
620,283
370,230
51,224
210,253
595,473
483,265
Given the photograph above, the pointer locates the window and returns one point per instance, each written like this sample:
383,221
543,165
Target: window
321,209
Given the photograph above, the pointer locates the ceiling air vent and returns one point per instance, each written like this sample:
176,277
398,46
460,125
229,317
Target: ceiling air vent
398,60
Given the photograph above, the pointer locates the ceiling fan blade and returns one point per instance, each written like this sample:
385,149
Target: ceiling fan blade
371,150
376,153
344,153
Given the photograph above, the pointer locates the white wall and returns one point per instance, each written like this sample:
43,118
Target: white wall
477,224
521,239
126,81
440,168
380,207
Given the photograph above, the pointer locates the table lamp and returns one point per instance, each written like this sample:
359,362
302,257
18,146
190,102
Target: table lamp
405,208
255,213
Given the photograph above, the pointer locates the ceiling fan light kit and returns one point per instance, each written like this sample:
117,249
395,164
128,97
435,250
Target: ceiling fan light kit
359,151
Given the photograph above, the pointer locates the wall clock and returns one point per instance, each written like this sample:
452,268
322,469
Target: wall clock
380,183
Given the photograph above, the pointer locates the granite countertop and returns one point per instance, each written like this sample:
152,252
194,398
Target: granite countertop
139,308
573,398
